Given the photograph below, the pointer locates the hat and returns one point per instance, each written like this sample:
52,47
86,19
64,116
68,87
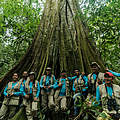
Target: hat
95,63
31,73
48,68
108,74
76,70
63,73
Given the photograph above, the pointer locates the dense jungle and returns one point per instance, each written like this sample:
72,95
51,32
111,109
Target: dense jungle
62,34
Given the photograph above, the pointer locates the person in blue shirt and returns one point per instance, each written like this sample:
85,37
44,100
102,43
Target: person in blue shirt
114,73
24,78
76,75
12,94
47,82
61,92
31,94
22,81
82,80
109,95
81,86
94,79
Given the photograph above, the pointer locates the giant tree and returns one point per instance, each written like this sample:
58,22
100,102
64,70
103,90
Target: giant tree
61,42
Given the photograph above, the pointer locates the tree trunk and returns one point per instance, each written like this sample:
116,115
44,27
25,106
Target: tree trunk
62,42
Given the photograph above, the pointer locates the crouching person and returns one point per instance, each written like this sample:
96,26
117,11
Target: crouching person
12,94
109,94
47,90
31,96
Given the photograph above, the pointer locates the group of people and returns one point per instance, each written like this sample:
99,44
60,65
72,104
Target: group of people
51,94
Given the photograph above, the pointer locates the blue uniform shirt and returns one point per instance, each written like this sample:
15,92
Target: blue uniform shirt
94,76
47,81
24,82
109,92
75,77
23,87
15,93
31,90
63,87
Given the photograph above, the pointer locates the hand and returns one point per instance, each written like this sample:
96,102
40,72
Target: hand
44,87
11,94
67,82
83,73
76,91
60,85
7,95
106,69
35,99
26,96
49,87
89,103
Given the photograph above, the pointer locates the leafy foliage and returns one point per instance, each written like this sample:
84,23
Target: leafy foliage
103,18
87,108
18,23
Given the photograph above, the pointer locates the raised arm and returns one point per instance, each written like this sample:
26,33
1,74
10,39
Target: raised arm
114,73
72,78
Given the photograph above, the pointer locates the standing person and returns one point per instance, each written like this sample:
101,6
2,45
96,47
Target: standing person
24,77
95,78
12,94
72,79
81,86
61,94
31,95
109,94
22,81
47,90
76,75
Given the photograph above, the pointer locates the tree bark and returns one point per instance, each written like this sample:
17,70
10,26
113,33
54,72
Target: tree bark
61,42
